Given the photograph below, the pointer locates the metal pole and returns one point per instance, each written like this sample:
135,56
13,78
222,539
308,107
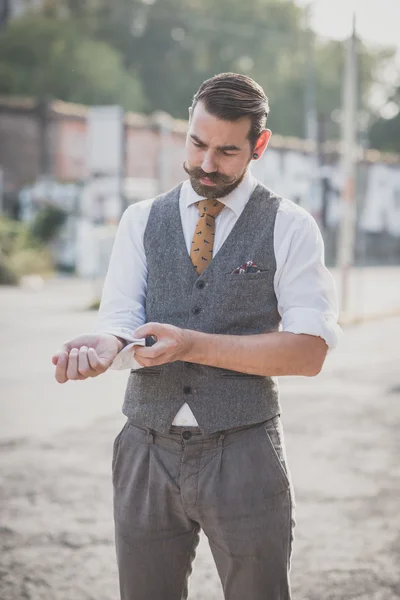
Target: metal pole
348,166
311,119
310,91
122,167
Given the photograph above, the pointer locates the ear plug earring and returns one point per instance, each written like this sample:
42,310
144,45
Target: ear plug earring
255,156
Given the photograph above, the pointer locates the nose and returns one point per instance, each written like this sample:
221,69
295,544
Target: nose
209,164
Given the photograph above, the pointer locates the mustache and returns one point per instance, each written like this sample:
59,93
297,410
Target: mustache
198,173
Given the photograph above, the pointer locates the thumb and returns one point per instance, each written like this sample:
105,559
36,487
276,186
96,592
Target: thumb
56,356
155,329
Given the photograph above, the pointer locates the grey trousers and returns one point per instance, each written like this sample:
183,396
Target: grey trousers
234,485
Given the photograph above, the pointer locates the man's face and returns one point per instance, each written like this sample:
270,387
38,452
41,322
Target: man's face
217,153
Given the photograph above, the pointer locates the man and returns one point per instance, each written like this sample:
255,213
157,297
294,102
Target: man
213,269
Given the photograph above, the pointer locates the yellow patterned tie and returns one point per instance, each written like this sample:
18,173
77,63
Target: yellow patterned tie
201,252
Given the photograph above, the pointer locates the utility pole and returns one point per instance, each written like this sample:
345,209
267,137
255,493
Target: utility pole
347,232
311,119
324,179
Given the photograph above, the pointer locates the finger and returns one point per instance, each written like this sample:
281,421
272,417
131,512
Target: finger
141,363
155,329
84,367
146,362
72,369
61,369
153,352
95,363
56,356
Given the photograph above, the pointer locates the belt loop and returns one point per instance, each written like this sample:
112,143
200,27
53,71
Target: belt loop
150,437
221,439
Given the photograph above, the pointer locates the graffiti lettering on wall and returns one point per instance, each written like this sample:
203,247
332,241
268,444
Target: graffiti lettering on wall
293,175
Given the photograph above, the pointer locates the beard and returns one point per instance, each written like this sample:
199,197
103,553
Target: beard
224,185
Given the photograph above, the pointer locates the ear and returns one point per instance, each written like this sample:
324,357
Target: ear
262,142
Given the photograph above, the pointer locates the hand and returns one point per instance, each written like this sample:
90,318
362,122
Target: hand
88,355
172,344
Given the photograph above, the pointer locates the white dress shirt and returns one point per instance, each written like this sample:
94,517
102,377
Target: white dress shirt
305,290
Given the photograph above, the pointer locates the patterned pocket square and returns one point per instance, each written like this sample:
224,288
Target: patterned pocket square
248,267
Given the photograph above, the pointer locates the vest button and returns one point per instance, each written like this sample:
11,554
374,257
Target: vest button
187,389
200,285
196,310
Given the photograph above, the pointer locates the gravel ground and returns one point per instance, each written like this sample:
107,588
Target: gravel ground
56,529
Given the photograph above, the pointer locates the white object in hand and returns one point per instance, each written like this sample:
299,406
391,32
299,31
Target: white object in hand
125,359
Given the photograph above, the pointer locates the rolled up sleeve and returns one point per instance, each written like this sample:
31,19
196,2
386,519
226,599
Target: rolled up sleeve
122,307
305,289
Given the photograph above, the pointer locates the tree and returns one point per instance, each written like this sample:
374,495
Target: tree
384,134
175,44
43,56
104,49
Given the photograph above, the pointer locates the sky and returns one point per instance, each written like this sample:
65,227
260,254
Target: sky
377,20
377,23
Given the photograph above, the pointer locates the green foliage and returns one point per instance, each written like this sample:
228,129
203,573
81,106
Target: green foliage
7,275
47,223
14,236
187,41
29,261
385,134
153,54
21,253
44,56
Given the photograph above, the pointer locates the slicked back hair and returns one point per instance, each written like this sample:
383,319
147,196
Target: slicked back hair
230,97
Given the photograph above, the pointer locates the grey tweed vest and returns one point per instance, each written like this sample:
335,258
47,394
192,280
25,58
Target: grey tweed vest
217,302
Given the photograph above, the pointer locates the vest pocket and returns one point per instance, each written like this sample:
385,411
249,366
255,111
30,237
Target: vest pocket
274,435
238,375
146,371
248,276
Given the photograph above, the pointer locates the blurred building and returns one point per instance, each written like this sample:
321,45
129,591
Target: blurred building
50,138
44,149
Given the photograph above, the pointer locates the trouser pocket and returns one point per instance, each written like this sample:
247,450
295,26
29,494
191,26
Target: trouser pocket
274,430
116,446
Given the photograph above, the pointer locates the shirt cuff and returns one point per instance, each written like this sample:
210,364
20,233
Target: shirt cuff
121,333
312,322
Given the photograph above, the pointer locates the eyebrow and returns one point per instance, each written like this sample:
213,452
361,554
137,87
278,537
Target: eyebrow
220,148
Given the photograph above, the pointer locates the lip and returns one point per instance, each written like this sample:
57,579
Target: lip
206,181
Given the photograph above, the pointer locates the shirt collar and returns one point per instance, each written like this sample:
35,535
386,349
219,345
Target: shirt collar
236,200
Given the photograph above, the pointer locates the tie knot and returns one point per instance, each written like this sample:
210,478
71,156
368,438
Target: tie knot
209,207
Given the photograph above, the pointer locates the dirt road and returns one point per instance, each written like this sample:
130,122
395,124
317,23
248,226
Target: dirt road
56,531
